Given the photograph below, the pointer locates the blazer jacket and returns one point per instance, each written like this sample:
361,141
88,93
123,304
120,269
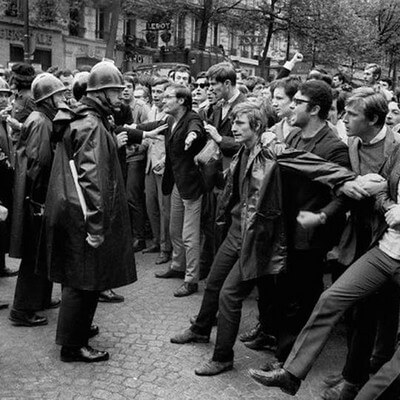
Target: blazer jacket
180,168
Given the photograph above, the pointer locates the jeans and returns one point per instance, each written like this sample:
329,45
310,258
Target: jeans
226,257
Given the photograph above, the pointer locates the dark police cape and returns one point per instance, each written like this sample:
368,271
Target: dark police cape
84,136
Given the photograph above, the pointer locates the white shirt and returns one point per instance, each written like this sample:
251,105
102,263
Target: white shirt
228,104
390,242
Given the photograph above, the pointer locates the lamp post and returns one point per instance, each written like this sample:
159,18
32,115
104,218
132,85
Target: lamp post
27,47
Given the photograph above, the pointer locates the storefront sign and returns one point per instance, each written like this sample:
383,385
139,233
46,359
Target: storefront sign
17,35
158,26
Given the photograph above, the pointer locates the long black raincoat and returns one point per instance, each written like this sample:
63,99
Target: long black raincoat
85,138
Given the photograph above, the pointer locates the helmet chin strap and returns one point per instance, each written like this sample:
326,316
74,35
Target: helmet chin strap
106,100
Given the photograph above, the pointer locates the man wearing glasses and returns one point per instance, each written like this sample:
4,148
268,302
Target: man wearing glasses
315,218
199,92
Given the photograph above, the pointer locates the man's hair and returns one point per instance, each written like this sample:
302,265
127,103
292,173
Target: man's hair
255,114
372,103
183,70
320,94
221,72
342,100
182,92
160,81
341,77
388,81
290,85
146,91
377,71
201,74
64,72
130,79
320,75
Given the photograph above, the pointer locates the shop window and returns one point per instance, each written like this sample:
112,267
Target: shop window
40,56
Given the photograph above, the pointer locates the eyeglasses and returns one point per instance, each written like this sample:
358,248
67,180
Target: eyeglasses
300,101
200,85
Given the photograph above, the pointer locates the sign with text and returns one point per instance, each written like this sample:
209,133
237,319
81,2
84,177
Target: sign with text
158,26
17,35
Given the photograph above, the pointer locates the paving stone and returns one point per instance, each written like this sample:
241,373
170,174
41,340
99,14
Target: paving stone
144,365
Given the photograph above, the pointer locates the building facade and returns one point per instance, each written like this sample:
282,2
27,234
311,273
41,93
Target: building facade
76,34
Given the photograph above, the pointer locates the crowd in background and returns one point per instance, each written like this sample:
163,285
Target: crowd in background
241,181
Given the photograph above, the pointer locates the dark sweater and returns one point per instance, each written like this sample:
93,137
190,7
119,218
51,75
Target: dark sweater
371,157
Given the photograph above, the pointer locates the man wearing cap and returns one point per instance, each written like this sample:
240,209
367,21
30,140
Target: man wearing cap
34,158
22,76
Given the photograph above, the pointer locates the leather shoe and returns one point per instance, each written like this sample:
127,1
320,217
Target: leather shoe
163,257
3,305
271,365
188,336
154,248
85,354
170,273
139,245
8,272
250,334
93,331
262,342
109,296
54,303
186,289
281,378
212,367
343,390
26,318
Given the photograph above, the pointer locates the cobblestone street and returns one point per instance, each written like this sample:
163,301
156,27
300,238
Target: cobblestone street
143,363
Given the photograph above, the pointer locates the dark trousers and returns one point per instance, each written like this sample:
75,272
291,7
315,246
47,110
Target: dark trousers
385,384
234,291
363,278
373,321
295,296
226,257
32,291
207,227
76,316
136,198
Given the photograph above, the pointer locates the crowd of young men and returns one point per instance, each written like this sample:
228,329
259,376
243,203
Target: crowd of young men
247,184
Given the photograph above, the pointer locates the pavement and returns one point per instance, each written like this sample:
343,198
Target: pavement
143,364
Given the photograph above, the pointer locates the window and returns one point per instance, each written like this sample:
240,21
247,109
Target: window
215,35
130,27
196,32
76,21
100,23
181,30
13,8
42,57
